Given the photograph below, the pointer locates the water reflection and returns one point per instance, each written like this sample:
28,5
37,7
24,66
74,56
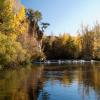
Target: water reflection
20,84
51,82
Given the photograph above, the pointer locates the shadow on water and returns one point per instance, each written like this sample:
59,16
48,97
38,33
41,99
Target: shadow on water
51,82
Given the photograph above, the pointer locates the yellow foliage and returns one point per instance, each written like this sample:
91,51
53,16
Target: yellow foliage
18,22
65,38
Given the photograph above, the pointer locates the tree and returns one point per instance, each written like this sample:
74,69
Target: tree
44,26
11,26
6,16
78,43
87,43
96,50
34,17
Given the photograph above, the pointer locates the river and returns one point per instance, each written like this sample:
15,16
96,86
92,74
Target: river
51,82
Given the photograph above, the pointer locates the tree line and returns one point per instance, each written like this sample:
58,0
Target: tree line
86,45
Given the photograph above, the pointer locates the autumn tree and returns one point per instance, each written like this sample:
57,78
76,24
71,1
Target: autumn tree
87,43
96,50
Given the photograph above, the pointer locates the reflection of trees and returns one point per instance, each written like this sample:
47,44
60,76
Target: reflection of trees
26,83
87,76
20,84
44,95
65,74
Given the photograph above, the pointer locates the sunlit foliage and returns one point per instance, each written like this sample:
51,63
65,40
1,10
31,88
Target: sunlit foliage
16,45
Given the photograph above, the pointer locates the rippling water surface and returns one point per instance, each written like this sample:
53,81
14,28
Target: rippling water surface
51,82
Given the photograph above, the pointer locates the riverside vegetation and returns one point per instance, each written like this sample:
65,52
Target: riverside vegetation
86,45
20,35
22,40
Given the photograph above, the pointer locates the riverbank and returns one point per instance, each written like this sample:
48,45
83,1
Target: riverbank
66,61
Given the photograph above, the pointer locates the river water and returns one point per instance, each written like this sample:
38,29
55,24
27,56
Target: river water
51,82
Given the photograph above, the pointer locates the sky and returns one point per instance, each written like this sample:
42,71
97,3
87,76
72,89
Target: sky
66,16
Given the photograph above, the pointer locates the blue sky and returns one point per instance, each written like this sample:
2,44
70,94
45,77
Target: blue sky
66,15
